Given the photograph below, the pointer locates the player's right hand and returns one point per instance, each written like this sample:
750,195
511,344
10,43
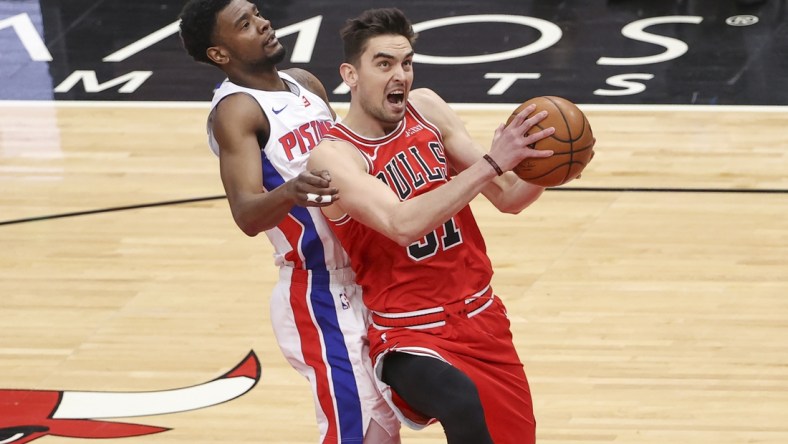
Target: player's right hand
511,143
312,189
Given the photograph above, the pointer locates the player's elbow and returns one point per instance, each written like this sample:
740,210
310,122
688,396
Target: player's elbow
250,233
248,229
248,224
404,241
511,207
248,216
516,202
405,234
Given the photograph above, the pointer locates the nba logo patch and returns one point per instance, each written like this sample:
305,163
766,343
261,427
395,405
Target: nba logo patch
344,300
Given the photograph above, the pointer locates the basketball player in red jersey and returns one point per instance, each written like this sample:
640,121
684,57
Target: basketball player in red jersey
406,169
262,124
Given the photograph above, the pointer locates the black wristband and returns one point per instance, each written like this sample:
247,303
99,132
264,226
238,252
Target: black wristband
493,164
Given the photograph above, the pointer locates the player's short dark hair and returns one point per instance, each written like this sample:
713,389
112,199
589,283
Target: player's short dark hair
372,23
198,21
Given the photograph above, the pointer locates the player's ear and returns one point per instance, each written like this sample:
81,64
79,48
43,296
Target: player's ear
349,74
217,55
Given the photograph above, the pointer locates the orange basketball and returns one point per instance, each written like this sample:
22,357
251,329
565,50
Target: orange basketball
572,143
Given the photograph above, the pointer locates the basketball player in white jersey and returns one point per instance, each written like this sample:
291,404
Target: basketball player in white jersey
262,125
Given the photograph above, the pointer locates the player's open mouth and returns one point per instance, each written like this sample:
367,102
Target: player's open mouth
271,40
396,97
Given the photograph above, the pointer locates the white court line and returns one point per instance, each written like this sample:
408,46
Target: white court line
345,105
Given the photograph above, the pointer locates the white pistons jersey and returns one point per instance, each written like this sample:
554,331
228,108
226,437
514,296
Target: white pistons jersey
298,120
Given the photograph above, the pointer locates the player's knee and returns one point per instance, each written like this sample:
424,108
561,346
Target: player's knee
433,387
461,398
462,414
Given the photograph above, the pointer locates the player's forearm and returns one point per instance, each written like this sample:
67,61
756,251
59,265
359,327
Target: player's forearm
260,212
510,194
414,218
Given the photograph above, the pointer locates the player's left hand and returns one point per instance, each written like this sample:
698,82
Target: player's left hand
313,189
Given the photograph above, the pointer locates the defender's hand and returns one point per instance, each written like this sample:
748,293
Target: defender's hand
312,189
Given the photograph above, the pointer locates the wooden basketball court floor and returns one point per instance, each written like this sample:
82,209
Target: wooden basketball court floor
649,299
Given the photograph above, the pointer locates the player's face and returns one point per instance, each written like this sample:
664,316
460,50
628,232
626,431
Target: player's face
246,36
385,75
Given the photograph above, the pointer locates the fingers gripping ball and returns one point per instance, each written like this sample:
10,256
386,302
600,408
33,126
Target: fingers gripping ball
572,143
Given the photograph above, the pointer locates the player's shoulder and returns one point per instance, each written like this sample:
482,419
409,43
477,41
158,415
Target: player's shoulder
427,101
431,105
237,104
304,77
332,154
425,97
300,75
238,110
332,147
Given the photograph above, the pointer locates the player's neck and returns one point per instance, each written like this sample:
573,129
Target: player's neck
264,81
366,125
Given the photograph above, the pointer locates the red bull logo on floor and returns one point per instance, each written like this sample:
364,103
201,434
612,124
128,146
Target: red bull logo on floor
26,415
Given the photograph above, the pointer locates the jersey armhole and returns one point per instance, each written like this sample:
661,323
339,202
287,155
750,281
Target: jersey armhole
341,220
367,161
263,142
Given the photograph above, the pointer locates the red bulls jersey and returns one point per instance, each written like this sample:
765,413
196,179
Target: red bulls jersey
448,264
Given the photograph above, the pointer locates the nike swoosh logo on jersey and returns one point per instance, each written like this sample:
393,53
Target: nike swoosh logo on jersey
277,111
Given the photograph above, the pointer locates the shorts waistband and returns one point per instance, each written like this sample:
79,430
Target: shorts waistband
340,276
436,316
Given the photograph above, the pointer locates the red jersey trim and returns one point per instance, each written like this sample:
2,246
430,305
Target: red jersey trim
357,138
421,119
341,220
